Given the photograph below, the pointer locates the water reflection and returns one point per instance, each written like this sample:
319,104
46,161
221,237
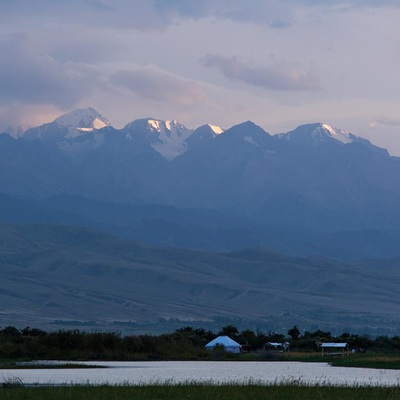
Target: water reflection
171,372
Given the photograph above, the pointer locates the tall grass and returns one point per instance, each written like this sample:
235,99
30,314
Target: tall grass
383,361
366,360
201,392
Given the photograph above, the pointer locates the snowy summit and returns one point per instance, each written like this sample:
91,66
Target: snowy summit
318,133
166,137
171,138
68,126
82,120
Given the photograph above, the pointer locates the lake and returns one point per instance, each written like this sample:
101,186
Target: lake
173,372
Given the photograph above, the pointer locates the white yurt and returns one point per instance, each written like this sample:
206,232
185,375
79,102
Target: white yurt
227,342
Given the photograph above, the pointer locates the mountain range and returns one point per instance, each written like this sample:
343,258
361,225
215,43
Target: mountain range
276,221
316,190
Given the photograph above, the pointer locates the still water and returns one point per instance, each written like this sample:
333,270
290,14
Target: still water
173,372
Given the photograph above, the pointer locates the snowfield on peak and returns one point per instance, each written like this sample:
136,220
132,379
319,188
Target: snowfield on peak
338,134
83,118
318,133
216,129
68,126
171,138
166,137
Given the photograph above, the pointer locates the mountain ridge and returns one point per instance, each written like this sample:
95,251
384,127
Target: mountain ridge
322,187
161,132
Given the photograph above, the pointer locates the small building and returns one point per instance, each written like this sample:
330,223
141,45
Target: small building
334,349
226,342
276,346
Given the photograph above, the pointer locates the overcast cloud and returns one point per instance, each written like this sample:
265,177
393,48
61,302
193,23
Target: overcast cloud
148,83
28,77
279,63
276,76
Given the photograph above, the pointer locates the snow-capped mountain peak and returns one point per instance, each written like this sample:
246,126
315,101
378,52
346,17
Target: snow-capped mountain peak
166,137
68,126
318,133
203,134
169,127
81,120
171,138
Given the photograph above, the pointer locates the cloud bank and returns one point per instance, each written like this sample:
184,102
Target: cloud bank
157,85
147,15
279,75
384,121
29,77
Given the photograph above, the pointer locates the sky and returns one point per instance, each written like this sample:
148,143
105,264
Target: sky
278,63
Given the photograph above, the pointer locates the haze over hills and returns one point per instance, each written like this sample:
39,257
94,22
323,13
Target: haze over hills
314,191
61,276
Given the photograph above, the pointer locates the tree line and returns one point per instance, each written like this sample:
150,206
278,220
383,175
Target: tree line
182,344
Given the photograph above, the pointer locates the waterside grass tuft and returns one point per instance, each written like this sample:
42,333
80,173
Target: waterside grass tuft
201,392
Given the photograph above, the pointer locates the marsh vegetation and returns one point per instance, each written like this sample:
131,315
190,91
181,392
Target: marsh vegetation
201,392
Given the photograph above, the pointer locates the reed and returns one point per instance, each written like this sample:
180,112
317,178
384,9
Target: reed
195,391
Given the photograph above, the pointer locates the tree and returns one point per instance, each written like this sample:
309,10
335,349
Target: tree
32,332
11,333
229,330
294,333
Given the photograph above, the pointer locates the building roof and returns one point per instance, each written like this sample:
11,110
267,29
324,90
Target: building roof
225,341
337,345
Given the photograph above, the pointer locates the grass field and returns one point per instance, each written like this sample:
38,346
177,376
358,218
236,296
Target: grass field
200,392
365,360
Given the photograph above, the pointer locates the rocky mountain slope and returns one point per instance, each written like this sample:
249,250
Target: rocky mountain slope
56,275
